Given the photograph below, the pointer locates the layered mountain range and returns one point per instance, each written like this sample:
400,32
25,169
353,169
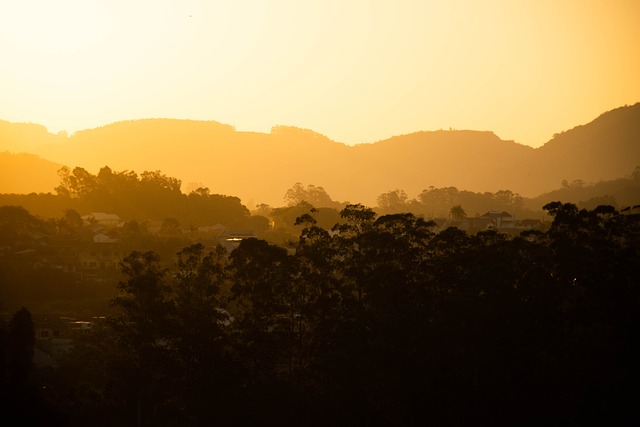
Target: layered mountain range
260,167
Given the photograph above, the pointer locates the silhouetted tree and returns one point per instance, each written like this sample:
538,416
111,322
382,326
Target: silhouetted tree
143,325
392,202
170,226
15,225
21,342
201,335
457,213
21,401
316,196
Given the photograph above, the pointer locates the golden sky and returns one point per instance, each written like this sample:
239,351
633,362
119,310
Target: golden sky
354,70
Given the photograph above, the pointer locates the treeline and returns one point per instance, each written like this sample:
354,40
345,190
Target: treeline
619,193
153,196
437,202
149,196
380,322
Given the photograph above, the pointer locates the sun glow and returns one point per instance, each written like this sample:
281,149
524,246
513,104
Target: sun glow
356,71
53,26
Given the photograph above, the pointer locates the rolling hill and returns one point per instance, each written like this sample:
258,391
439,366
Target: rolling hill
260,167
27,173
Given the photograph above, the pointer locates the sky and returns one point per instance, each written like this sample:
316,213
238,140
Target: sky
356,71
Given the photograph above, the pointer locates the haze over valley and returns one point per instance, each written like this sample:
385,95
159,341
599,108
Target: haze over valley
260,167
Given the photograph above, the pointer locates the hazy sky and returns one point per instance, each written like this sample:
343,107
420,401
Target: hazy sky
353,70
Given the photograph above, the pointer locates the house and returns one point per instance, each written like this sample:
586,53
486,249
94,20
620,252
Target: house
51,341
500,220
55,338
103,238
101,255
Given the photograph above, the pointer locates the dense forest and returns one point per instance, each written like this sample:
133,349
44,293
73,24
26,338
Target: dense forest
381,319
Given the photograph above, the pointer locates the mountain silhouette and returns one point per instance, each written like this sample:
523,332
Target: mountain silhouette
604,149
27,173
260,167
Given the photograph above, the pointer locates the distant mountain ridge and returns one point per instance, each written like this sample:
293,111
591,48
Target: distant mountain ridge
27,173
260,167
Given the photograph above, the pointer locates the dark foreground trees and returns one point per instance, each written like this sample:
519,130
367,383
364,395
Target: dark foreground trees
382,321
22,401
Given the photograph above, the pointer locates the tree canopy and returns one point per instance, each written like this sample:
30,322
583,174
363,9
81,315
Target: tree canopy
407,324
